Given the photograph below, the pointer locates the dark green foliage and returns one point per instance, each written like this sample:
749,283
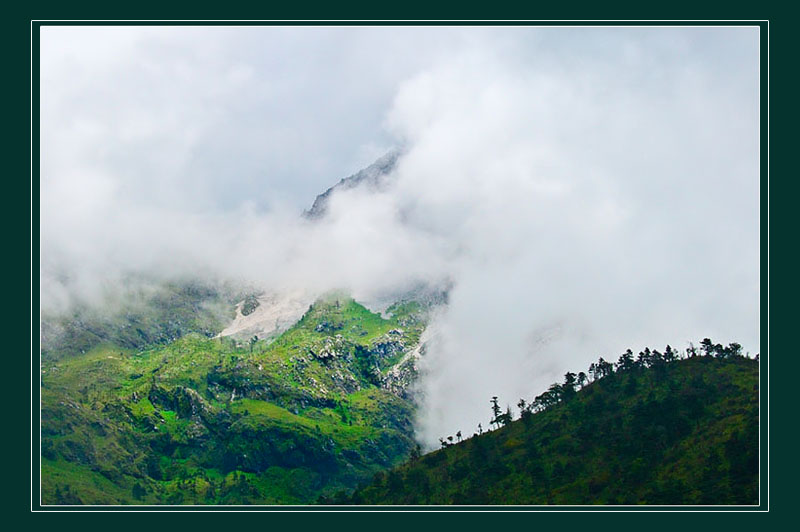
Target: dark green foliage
683,432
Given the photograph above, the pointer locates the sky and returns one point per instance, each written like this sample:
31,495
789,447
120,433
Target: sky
583,190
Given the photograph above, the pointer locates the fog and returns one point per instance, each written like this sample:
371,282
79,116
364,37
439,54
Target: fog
582,190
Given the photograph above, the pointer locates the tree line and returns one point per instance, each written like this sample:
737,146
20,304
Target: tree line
627,362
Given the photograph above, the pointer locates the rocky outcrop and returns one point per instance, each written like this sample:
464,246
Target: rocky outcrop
387,347
399,378
189,404
249,305
331,348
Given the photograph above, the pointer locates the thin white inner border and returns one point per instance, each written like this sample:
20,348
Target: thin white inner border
406,23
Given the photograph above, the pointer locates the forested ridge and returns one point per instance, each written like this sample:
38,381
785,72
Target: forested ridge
667,428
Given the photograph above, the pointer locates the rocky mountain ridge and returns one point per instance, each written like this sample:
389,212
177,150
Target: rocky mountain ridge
374,177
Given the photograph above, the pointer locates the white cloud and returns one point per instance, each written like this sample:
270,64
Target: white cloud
586,189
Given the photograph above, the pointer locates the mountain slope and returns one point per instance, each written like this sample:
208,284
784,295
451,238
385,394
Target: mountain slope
146,313
213,421
679,433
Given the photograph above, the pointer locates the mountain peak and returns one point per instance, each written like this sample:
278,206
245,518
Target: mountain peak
374,177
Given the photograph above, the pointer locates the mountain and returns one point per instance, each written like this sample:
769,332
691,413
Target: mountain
374,177
202,392
683,432
214,421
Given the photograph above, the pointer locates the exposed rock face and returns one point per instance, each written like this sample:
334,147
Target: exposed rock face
272,315
374,177
399,378
249,305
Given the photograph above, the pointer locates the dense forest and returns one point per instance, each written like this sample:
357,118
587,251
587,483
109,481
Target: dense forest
658,428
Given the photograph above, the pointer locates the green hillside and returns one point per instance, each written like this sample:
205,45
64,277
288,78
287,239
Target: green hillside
210,421
658,430
147,314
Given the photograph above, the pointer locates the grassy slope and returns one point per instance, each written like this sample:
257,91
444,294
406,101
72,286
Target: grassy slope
687,435
159,426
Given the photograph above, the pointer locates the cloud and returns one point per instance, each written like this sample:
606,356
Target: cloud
597,208
585,190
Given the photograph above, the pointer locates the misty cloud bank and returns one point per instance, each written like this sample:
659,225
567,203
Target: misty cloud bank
584,190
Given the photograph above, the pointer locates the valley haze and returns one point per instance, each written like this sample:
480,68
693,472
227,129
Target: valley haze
578,191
